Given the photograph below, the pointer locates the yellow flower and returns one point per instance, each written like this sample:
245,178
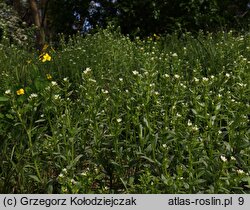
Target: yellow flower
49,77
20,92
45,57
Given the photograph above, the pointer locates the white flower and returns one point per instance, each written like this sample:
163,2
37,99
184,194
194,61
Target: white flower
87,70
65,79
135,72
239,171
166,75
227,75
164,146
182,85
176,76
189,123
119,120
156,93
105,91
84,173
121,79
61,175
223,158
205,79
56,97
195,128
53,83
233,158
196,79
73,181
33,95
7,92
174,55
64,170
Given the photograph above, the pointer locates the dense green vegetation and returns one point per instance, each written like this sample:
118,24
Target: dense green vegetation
104,114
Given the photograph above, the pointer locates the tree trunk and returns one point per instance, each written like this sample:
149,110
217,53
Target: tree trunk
37,19
35,13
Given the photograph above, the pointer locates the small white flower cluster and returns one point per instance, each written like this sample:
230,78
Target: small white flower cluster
176,76
87,70
8,92
57,97
156,93
105,91
33,95
63,173
242,85
223,158
85,172
166,75
204,79
182,85
119,120
74,182
193,127
135,72
196,79
53,83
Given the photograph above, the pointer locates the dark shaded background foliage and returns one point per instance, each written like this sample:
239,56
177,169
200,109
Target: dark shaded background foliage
137,17
144,17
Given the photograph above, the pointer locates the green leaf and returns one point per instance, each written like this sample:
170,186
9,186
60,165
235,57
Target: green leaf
218,106
194,111
3,99
147,158
73,163
9,116
35,178
164,179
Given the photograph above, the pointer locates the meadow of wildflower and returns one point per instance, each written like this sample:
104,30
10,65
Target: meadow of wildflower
104,114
